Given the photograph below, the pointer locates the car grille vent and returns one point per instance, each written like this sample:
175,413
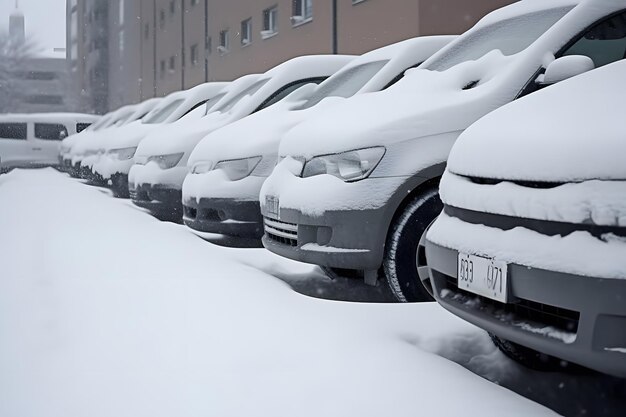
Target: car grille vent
281,232
528,184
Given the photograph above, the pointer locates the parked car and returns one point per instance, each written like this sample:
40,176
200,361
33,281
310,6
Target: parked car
531,245
357,187
31,140
159,181
117,154
229,166
65,158
86,147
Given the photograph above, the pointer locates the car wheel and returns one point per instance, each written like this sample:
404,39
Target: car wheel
528,357
399,261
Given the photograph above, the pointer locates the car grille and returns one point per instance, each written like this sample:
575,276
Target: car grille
281,232
520,310
190,212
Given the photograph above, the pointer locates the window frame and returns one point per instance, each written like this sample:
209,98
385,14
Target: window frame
20,125
224,41
247,25
39,135
270,22
301,12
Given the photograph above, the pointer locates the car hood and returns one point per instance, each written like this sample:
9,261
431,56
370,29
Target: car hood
181,136
257,134
568,132
129,136
424,103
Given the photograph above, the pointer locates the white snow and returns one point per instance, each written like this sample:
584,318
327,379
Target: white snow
569,254
600,202
572,131
127,316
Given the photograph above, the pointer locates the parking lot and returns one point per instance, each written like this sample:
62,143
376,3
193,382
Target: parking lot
105,310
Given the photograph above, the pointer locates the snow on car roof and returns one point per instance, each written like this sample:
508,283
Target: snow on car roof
49,117
572,131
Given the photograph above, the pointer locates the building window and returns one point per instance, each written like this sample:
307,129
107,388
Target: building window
172,64
146,30
122,40
302,11
50,131
162,18
172,7
224,42
270,22
13,131
246,32
357,2
193,54
194,2
43,99
162,68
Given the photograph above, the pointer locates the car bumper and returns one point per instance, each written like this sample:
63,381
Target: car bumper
224,216
580,319
156,197
108,168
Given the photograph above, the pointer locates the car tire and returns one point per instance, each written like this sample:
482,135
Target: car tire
399,263
528,357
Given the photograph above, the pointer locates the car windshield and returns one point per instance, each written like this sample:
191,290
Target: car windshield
509,36
346,83
212,102
229,104
161,113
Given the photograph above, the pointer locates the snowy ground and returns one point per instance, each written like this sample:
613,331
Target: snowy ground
105,311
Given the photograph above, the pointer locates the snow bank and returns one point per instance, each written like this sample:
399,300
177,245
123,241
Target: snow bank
572,131
569,254
130,316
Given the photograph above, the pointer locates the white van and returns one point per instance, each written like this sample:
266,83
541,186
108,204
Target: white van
32,140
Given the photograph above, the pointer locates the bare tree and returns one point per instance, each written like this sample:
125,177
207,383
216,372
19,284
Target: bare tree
13,57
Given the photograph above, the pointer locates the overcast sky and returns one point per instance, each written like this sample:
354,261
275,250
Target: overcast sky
45,20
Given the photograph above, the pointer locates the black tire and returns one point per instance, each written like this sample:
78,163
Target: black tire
399,261
528,357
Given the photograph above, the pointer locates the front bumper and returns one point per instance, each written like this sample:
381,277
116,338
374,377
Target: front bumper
156,197
577,318
108,167
224,216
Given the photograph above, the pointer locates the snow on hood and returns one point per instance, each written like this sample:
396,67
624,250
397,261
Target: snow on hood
193,97
284,74
568,132
456,86
129,136
260,133
98,137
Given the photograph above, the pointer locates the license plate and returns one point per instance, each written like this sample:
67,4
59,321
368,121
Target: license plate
482,276
271,205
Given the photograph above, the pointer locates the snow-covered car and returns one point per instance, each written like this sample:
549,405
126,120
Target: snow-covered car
117,157
221,193
31,140
531,245
161,163
84,149
65,147
356,187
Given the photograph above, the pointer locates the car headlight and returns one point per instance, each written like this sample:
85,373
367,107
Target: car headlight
201,167
237,169
123,154
348,166
167,161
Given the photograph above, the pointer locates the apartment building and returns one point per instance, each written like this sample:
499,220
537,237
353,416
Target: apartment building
156,47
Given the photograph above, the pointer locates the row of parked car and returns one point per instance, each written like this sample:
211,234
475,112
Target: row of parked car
346,162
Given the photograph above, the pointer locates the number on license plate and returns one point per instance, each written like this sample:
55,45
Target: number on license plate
482,276
271,205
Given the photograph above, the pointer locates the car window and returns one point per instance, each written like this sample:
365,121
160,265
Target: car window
224,107
162,113
82,126
50,131
13,131
604,42
288,89
509,36
345,83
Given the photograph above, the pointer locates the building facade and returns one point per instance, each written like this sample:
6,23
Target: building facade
155,47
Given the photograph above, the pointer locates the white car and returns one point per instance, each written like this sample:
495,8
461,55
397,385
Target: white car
65,147
116,157
161,163
28,140
221,194
531,245
358,186
84,150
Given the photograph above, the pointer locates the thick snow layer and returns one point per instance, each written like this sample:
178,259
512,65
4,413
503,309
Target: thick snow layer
316,195
130,316
572,131
215,184
600,202
569,254
152,174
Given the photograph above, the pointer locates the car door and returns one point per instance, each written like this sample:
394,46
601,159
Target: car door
46,140
14,144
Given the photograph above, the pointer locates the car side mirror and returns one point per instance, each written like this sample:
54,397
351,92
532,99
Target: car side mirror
566,67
